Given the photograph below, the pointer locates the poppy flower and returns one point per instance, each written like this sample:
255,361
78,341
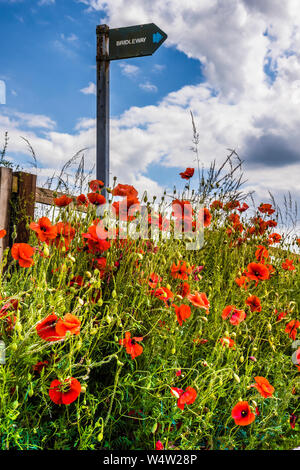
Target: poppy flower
46,328
153,280
96,185
184,289
62,201
242,414
242,282
293,420
64,393
266,209
81,200
264,387
186,397
257,272
2,233
261,253
216,205
291,328
280,315
125,190
243,208
39,366
68,323
180,270
205,216
126,209
182,313
94,242
187,174
44,229
182,209
163,293
226,341
131,345
159,446
199,299
288,265
23,252
65,234
96,199
254,303
236,316
274,238
232,205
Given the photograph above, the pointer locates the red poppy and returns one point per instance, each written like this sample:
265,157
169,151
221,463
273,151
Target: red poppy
257,272
261,253
2,233
131,345
182,209
216,205
184,289
127,208
243,208
264,387
163,293
242,282
280,315
205,216
291,328
254,303
187,174
184,398
182,313
199,299
96,185
242,414
274,238
153,280
23,252
96,199
44,229
63,201
232,205
266,209
159,446
180,270
226,341
68,323
46,328
288,265
236,316
39,366
96,239
64,393
81,200
125,190
65,234
293,420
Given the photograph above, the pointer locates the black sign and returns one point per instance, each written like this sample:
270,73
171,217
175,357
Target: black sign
135,41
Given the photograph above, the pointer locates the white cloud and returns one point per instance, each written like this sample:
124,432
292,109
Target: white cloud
149,87
129,70
46,2
90,89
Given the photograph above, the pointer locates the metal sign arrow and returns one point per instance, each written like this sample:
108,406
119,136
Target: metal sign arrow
135,41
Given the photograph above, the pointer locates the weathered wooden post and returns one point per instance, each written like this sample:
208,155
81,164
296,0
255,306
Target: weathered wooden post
5,196
24,203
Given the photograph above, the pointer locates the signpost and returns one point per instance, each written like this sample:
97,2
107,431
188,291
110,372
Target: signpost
114,44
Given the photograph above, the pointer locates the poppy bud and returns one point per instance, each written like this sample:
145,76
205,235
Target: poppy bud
46,250
236,377
96,272
168,286
88,274
100,302
114,294
108,319
242,359
14,346
140,256
100,437
63,249
173,351
30,393
18,327
119,363
233,334
93,331
204,318
226,333
83,389
179,297
269,326
154,427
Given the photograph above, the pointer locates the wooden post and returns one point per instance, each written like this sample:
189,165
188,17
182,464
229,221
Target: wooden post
25,202
5,195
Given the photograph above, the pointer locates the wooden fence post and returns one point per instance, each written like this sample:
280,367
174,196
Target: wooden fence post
25,202
5,195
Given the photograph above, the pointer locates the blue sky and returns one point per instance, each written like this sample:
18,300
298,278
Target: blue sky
234,63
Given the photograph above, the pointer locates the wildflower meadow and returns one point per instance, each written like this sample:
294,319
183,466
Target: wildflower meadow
140,343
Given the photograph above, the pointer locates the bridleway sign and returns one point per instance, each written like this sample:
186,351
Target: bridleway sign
114,44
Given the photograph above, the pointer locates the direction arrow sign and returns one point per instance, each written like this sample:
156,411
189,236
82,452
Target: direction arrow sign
135,41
